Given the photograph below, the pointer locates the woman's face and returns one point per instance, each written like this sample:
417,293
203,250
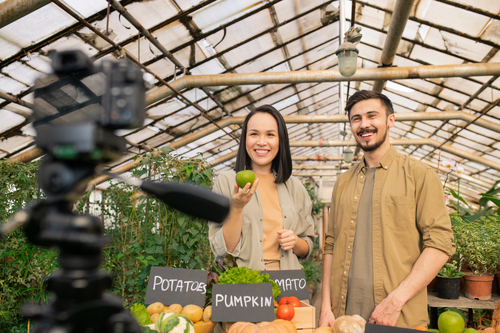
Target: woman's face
262,142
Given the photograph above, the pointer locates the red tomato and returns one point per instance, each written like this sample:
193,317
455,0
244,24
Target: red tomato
283,300
293,301
285,311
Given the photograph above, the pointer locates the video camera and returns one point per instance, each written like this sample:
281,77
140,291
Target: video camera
76,111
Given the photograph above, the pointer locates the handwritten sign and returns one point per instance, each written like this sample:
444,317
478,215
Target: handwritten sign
176,285
242,302
291,283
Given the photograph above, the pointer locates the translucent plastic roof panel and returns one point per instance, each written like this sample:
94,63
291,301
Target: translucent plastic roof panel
238,37
32,28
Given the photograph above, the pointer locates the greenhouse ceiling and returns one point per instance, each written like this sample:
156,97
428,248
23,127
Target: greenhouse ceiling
213,61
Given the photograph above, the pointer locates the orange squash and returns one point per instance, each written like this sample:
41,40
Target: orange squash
277,326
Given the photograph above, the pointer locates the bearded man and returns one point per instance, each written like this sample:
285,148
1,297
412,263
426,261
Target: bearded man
389,232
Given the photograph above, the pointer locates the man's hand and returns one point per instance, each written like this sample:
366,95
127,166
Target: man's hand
388,311
326,317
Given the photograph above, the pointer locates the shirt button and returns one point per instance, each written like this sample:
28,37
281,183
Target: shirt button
261,240
355,198
342,297
361,177
347,247
352,221
385,166
345,272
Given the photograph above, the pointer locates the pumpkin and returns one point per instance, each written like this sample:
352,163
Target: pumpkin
277,326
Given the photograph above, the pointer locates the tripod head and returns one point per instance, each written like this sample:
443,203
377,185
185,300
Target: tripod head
77,110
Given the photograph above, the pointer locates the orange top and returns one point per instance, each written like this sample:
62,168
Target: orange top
272,216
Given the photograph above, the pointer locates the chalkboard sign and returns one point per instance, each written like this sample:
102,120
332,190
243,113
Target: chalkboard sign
291,283
242,302
176,286
375,328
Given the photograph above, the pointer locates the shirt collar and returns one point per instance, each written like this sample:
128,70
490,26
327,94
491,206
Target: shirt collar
385,162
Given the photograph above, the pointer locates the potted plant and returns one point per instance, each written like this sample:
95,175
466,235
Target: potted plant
448,281
478,245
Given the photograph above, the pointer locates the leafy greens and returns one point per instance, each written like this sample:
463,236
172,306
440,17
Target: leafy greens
246,275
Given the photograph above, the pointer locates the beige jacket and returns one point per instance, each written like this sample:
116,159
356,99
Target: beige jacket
296,207
409,214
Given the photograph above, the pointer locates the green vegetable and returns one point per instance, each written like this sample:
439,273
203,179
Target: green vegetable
140,314
246,275
146,329
168,323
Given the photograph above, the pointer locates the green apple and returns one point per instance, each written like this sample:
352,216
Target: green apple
244,177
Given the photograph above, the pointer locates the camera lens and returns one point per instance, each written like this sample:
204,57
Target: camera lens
69,61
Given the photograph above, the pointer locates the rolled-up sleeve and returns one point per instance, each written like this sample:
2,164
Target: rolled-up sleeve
432,216
221,186
329,236
306,223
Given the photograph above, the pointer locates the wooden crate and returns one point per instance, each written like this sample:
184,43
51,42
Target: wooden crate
304,319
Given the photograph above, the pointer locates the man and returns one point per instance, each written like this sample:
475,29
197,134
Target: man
389,232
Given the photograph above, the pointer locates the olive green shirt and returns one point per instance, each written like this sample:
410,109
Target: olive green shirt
408,215
360,299
296,208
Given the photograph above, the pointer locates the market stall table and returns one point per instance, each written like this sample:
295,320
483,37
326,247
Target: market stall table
463,303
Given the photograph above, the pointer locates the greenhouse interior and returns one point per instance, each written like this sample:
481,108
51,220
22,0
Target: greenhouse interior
206,65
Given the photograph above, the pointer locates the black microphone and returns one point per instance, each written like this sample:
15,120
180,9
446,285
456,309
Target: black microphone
196,201
189,199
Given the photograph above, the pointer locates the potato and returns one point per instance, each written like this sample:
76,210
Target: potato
154,317
176,308
155,308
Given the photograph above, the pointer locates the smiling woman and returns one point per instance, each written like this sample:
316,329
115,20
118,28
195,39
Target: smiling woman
274,214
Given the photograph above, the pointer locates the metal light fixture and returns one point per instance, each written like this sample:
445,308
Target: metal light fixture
348,53
348,155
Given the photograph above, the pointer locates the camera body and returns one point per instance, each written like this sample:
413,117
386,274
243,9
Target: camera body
76,111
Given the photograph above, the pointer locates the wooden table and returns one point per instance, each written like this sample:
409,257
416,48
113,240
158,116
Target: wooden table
463,303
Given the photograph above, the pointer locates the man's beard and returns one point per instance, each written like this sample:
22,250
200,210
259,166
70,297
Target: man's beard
373,146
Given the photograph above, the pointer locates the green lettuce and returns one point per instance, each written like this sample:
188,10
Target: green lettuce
140,314
245,275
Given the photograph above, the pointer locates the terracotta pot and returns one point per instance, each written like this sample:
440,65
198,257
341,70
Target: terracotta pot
432,285
478,287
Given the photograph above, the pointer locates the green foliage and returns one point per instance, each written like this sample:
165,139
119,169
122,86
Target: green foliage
317,205
312,267
140,314
461,207
450,271
477,243
24,267
143,232
246,275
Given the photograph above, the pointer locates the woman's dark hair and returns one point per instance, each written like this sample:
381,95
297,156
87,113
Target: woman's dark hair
363,95
282,163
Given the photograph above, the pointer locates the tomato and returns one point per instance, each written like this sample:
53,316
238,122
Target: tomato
285,311
293,301
283,300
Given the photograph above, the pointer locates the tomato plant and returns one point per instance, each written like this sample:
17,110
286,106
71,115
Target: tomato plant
285,311
293,301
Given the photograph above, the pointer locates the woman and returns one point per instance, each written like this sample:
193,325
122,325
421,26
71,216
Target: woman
269,226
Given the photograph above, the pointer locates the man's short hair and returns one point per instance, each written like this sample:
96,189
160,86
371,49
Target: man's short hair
363,95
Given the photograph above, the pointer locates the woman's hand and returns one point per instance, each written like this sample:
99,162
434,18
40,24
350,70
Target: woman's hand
240,198
287,239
